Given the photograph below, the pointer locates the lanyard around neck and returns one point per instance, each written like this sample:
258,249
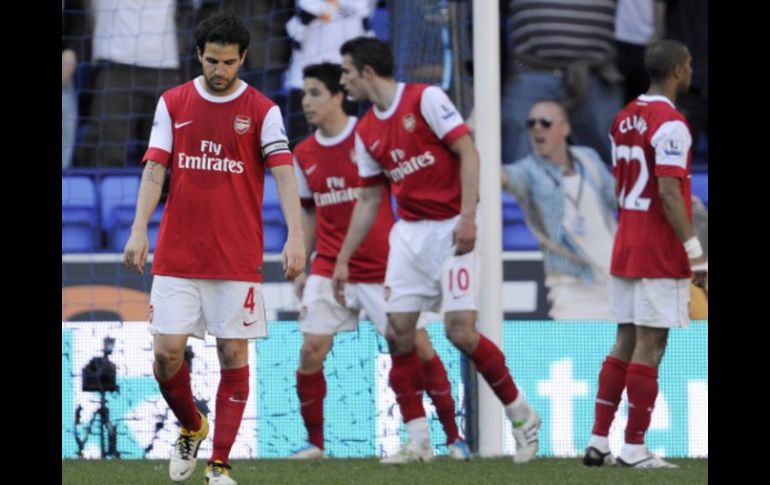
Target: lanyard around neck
579,170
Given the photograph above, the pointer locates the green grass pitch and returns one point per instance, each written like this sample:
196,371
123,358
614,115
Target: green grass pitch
441,471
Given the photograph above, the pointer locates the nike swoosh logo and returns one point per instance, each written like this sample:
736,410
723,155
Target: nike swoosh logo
180,125
374,145
311,169
236,400
248,324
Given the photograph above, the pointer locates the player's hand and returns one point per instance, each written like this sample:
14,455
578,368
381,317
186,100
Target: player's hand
135,252
464,235
299,285
339,278
293,257
700,270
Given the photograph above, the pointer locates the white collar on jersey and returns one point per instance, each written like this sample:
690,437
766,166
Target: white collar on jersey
198,83
649,99
384,115
339,137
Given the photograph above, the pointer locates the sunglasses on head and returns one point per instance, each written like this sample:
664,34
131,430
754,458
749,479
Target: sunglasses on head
544,122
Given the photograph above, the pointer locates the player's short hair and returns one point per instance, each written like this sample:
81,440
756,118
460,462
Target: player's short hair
329,74
370,51
222,28
661,57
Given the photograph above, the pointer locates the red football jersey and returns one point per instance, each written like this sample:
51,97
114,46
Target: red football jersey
216,148
408,144
327,176
650,139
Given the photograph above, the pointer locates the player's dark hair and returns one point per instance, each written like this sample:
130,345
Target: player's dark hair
661,58
329,74
222,28
369,51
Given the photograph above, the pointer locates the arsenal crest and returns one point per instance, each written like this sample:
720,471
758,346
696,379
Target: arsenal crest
241,124
409,122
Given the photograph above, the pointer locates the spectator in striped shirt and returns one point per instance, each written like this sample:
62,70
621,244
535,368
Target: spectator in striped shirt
565,52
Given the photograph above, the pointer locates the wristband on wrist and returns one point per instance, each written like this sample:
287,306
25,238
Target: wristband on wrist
693,248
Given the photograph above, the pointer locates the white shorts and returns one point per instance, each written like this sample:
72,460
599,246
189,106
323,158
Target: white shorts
223,308
422,267
322,315
651,302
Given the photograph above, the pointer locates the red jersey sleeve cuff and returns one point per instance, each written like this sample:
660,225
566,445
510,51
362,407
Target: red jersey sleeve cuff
372,181
278,159
670,171
157,155
455,133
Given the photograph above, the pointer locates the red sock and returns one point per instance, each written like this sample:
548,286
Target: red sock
177,392
642,389
490,363
612,381
231,401
311,390
440,392
407,382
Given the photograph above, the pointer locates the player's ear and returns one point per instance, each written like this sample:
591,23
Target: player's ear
200,54
243,56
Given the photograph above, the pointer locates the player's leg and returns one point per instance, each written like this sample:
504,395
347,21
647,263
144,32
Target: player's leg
234,312
460,287
320,319
659,304
370,298
440,391
311,392
175,315
410,288
408,383
612,381
642,388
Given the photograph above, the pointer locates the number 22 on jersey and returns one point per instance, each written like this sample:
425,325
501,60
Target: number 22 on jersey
629,198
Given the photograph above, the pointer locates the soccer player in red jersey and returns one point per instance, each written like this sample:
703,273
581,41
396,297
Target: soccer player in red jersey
655,253
414,139
216,135
327,175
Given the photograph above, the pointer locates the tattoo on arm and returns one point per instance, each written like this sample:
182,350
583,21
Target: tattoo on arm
149,173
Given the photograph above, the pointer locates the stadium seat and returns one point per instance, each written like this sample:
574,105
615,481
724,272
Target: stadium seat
118,193
700,186
518,237
516,234
274,226
79,215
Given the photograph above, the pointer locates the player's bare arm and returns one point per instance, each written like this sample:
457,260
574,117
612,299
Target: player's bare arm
364,214
293,254
308,229
673,204
150,188
464,234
